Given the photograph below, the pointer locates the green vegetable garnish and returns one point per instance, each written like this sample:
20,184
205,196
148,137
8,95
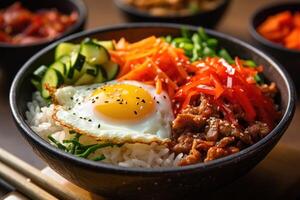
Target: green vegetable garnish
92,149
57,143
250,63
74,147
223,53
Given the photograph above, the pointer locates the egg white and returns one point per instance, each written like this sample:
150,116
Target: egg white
75,111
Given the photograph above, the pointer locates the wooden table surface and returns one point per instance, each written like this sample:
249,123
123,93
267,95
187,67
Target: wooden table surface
103,13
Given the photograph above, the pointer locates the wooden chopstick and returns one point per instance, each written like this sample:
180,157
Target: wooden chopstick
43,181
23,185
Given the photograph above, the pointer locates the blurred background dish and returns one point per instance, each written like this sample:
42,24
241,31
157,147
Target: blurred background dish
27,26
205,13
285,14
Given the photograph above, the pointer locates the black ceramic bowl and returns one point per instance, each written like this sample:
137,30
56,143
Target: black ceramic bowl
117,181
290,59
207,19
14,56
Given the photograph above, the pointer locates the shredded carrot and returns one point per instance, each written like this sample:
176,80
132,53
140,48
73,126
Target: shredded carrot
142,43
137,73
158,85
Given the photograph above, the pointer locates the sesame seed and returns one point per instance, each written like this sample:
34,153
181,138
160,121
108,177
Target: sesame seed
71,98
74,114
98,125
89,120
135,112
164,96
97,97
157,102
137,97
106,101
80,117
143,100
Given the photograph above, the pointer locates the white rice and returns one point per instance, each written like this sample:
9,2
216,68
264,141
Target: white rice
39,117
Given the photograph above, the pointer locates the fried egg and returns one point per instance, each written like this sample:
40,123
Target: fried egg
118,112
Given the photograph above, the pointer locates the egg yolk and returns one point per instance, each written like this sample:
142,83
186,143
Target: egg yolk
122,102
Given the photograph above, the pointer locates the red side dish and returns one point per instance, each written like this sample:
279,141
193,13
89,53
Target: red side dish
282,28
19,25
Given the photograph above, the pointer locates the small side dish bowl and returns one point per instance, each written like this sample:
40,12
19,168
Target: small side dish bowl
207,19
289,58
13,56
117,181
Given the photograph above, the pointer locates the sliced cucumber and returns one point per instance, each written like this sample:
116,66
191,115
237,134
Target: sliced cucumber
92,71
88,68
65,49
52,78
59,66
101,76
85,79
88,71
73,70
95,54
39,72
112,69
72,76
66,60
107,44
77,60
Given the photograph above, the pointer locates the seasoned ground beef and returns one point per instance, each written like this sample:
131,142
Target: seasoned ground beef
202,133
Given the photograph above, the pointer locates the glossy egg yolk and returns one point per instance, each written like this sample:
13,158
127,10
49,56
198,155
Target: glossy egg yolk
122,102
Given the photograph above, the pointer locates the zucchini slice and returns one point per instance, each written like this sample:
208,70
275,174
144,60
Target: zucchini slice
112,69
107,44
87,74
52,78
85,79
77,60
65,49
39,72
66,60
95,54
59,66
101,76
92,71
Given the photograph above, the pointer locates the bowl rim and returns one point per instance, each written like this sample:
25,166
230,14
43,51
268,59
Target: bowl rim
80,162
132,10
82,16
259,37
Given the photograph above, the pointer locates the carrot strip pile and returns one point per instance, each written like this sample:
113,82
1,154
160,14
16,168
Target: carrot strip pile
154,61
283,28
